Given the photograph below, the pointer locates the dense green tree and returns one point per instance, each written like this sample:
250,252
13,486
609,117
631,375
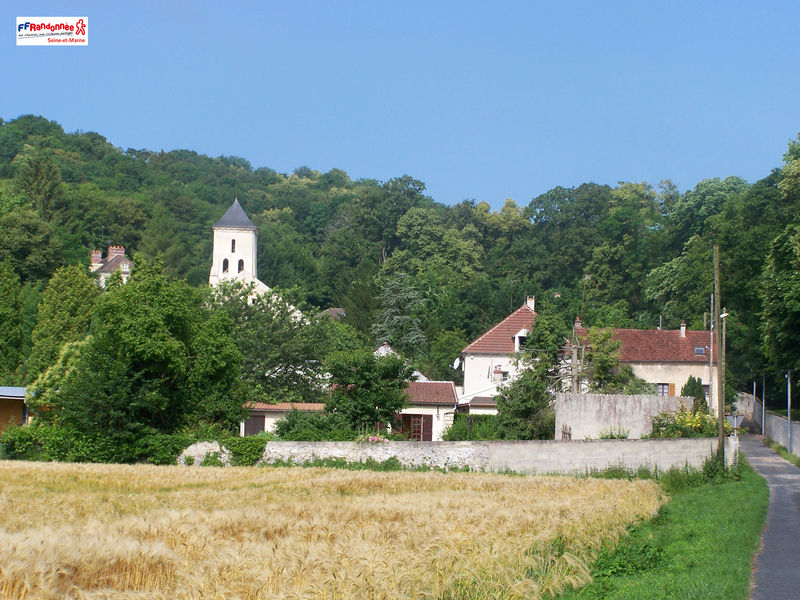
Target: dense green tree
525,406
680,288
281,348
781,297
38,181
29,244
603,371
398,322
64,316
10,323
159,358
366,389
693,388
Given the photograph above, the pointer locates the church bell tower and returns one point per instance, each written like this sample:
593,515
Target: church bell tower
235,253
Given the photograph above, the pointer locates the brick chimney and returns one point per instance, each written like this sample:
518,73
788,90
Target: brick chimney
578,324
683,329
96,255
115,251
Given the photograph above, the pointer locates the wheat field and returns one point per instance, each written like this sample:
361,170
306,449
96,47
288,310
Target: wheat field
135,531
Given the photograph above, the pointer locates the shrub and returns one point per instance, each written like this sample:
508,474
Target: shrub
473,427
685,424
247,451
614,433
314,427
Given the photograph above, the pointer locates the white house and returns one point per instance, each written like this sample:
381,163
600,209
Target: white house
666,357
488,362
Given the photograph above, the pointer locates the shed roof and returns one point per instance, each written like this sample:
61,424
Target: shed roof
12,392
432,392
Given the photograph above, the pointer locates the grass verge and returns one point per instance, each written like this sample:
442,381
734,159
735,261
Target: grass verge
783,452
699,545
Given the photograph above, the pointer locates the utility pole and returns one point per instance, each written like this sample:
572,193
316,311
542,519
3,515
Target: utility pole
763,402
789,409
718,343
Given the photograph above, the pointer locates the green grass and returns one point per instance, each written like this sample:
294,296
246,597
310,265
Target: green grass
699,545
783,451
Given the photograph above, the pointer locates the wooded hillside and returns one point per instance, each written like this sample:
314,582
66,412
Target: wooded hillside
426,277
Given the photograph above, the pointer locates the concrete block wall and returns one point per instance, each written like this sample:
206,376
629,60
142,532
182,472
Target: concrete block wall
777,428
589,415
552,456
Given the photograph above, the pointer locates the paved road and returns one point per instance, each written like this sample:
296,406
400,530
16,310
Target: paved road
777,572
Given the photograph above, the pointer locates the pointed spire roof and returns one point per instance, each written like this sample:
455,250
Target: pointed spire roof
235,218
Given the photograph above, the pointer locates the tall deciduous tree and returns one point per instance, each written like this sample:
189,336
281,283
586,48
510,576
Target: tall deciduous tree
10,323
159,358
64,316
781,301
281,349
30,244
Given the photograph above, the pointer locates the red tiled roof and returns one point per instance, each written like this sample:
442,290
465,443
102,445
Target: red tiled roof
432,392
500,338
287,406
666,345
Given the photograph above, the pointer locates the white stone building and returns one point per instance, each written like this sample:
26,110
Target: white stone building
235,250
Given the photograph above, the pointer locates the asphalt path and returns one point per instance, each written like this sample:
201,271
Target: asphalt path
776,573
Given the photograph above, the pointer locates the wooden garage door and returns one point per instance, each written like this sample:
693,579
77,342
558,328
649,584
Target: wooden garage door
254,425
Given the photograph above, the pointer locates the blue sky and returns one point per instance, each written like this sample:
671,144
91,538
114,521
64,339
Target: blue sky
478,101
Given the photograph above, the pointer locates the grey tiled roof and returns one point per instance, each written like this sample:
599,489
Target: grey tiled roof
12,392
236,218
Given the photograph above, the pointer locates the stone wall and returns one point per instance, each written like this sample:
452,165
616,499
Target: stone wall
575,457
588,416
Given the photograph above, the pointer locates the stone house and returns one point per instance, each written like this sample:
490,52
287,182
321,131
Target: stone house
115,261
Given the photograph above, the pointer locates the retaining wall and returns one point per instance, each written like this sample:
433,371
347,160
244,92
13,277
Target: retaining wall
776,428
553,456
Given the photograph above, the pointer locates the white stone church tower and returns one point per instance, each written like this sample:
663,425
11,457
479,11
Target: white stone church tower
235,253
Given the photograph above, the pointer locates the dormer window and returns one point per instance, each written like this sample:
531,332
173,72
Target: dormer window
125,267
519,339
233,245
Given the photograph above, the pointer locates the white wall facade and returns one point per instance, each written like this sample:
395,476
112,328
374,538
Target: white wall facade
479,376
442,417
245,249
678,374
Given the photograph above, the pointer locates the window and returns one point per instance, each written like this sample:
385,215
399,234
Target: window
225,266
241,265
662,389
233,245
125,267
700,350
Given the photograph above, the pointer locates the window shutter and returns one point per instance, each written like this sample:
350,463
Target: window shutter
671,389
